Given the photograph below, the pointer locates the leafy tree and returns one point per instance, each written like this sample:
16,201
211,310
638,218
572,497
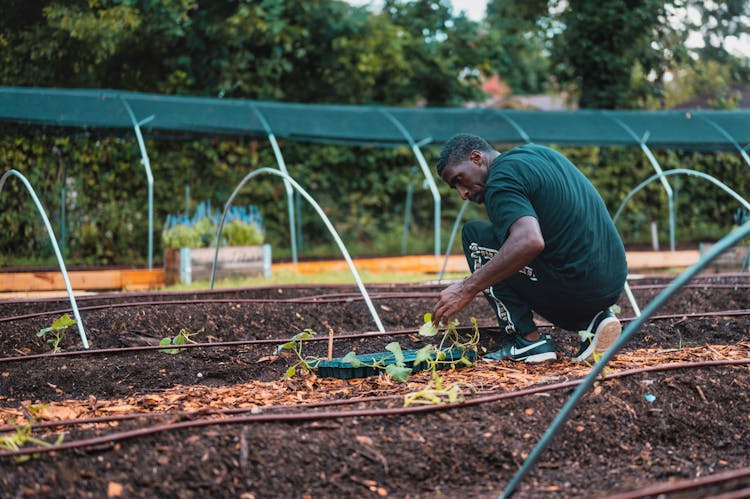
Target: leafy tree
445,52
707,78
612,53
313,51
517,42
716,21
601,43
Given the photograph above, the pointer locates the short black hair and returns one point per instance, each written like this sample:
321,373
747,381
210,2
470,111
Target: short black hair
458,148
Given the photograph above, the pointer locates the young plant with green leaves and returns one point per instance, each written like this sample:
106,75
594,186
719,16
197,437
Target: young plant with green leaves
22,435
182,338
452,337
434,357
294,345
398,370
56,332
437,357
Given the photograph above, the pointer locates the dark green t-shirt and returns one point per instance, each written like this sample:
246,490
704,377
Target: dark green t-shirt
581,242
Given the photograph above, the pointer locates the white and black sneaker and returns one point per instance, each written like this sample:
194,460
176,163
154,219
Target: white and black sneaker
520,349
602,332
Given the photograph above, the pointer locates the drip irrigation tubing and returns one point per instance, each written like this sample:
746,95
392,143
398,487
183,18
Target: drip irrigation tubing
314,299
429,285
302,300
345,336
144,348
295,417
133,294
694,484
706,287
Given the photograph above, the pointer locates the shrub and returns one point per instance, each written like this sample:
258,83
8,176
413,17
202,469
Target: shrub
242,227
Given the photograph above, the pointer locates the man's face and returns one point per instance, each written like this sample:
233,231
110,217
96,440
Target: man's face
468,177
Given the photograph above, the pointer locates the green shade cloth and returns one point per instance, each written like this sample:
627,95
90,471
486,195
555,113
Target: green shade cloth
369,125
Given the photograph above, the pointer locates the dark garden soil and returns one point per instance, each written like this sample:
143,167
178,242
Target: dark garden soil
220,421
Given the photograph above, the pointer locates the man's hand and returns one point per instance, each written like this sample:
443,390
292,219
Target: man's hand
452,300
523,244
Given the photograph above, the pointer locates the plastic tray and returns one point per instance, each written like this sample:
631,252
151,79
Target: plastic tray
336,368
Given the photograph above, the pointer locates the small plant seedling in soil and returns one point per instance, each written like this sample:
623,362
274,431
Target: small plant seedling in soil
295,345
56,332
22,436
435,356
398,370
182,338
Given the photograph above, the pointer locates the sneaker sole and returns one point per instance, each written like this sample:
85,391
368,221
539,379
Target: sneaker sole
541,357
609,331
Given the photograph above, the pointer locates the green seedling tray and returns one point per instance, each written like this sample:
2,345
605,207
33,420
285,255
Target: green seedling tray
337,368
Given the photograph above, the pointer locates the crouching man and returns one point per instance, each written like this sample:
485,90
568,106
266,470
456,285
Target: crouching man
549,247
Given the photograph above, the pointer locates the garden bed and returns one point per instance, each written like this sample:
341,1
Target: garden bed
219,421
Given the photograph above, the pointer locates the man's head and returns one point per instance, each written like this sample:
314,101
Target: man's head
464,164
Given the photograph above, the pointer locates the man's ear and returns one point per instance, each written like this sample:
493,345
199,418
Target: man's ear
476,157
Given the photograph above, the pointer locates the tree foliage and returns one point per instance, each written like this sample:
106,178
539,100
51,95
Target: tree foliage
612,53
609,53
312,51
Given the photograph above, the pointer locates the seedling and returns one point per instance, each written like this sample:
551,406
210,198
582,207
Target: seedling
182,338
22,436
56,331
295,345
432,356
435,356
398,370
433,396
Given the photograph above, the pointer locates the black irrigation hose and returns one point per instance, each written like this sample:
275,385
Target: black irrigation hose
104,351
120,295
323,298
300,300
294,417
706,286
278,341
207,411
688,485
200,292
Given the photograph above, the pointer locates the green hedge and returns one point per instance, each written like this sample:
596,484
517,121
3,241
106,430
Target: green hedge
361,189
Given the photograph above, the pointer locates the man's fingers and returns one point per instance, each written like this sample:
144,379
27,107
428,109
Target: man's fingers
441,312
437,315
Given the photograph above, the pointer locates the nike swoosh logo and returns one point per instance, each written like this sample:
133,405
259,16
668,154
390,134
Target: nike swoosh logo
517,351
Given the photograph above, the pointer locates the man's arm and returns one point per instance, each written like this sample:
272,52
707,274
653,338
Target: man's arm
523,244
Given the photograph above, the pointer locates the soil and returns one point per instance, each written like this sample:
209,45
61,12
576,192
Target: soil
221,421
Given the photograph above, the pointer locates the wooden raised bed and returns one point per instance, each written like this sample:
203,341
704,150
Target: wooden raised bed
192,264
107,279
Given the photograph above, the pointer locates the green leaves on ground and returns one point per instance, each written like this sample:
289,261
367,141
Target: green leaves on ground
428,328
182,338
295,346
56,331
22,435
352,359
398,370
